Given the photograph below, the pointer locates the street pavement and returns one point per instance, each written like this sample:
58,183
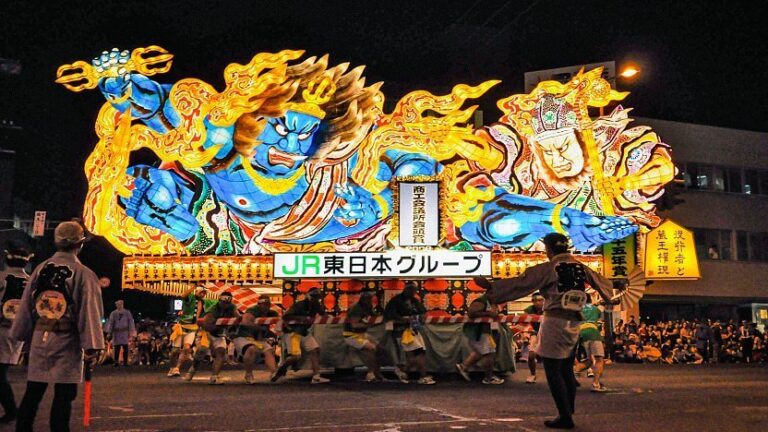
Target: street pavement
642,398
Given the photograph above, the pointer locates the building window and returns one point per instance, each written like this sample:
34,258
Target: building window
763,182
703,177
717,179
724,179
686,172
751,185
733,182
713,244
758,243
742,246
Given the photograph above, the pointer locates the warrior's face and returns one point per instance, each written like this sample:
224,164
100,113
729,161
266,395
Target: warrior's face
285,143
561,153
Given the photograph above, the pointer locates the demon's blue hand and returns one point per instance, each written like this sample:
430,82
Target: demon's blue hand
117,87
587,231
360,205
144,98
160,200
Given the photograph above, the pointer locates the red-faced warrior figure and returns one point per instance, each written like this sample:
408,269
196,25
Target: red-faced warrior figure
59,319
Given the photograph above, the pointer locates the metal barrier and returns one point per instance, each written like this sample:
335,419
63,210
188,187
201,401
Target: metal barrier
511,319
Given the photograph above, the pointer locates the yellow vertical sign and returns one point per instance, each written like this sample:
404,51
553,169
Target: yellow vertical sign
670,253
619,258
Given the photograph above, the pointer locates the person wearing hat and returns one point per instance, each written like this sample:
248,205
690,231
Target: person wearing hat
536,308
252,339
298,342
562,281
59,319
216,335
12,281
120,329
183,334
359,317
406,312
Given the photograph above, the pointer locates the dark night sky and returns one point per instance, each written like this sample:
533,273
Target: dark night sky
702,61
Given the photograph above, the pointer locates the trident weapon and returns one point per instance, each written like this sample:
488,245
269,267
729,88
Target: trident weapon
81,75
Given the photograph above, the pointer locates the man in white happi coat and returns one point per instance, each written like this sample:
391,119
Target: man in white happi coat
562,282
59,319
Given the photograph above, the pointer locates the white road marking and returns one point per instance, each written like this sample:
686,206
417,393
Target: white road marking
512,419
357,425
128,430
751,408
153,416
445,413
345,409
119,408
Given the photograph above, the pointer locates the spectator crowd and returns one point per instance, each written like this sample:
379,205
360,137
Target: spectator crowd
688,342
150,345
670,342
677,342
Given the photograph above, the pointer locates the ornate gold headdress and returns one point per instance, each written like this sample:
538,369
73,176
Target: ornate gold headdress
318,92
553,105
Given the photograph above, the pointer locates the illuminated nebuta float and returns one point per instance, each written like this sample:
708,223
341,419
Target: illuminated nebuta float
294,173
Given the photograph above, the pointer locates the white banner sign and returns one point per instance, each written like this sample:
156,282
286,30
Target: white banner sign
400,264
38,227
419,215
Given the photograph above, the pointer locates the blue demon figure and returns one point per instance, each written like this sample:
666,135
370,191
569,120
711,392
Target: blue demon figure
282,175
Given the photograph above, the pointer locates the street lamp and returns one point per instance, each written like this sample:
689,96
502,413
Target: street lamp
629,72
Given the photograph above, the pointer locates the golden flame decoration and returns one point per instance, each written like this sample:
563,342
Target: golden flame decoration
441,137
464,202
105,170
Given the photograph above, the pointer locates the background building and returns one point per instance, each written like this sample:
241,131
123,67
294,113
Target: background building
726,206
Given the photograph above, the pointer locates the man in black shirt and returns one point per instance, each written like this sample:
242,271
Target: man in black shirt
297,340
407,313
747,340
481,341
217,336
702,335
12,281
359,318
252,339
717,341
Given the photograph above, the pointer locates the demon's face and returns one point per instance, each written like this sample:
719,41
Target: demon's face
285,143
282,148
